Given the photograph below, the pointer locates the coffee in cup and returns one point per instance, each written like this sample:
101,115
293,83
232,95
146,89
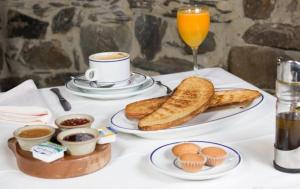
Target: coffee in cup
108,67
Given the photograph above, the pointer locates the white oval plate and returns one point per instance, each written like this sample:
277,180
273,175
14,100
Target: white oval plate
163,161
205,122
135,80
110,95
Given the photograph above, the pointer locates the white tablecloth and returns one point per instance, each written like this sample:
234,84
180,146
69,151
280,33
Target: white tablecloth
252,136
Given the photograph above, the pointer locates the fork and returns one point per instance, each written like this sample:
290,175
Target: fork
169,91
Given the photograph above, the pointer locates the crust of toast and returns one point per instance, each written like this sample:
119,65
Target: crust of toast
142,108
233,97
139,109
192,96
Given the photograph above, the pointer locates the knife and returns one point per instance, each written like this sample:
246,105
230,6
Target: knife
64,103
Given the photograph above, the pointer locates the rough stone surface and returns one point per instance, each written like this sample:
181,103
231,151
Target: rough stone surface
62,21
283,36
8,83
57,4
258,9
39,10
149,31
145,4
46,55
224,6
1,20
171,13
167,2
164,65
11,82
219,18
21,25
256,65
1,57
59,79
96,38
292,7
121,16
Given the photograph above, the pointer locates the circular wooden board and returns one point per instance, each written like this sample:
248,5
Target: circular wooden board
66,167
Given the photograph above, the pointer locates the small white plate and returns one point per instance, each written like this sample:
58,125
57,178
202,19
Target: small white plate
164,161
205,122
135,80
113,94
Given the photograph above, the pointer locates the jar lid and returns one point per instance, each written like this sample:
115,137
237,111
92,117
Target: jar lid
288,71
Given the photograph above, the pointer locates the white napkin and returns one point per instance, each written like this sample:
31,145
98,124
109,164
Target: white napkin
24,105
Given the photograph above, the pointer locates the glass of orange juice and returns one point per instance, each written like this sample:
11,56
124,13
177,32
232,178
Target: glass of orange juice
193,24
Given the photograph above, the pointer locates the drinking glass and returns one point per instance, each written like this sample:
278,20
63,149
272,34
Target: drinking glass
193,24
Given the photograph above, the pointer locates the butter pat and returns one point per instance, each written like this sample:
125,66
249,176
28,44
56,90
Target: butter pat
48,151
107,135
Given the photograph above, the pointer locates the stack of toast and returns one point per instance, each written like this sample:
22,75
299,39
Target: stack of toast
192,96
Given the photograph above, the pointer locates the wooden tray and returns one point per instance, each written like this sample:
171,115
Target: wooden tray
66,167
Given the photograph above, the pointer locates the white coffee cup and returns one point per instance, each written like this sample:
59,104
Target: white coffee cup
108,67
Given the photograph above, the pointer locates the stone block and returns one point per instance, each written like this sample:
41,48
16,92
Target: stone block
224,6
62,21
171,13
256,65
59,79
164,65
121,16
149,31
142,4
282,36
57,4
1,57
101,38
258,9
45,55
11,82
21,25
39,9
292,6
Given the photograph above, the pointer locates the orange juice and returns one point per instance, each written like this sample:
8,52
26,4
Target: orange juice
193,25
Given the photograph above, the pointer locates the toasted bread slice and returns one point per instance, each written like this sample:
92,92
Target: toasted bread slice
232,97
140,109
190,98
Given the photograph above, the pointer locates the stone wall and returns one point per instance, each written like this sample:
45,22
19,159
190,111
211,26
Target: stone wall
49,40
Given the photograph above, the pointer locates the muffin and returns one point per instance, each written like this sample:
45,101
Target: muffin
185,148
191,162
215,156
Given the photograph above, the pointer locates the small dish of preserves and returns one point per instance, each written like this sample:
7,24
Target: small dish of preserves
80,141
78,137
73,121
32,135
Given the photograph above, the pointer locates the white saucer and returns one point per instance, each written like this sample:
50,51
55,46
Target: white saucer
135,80
164,161
205,122
108,95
